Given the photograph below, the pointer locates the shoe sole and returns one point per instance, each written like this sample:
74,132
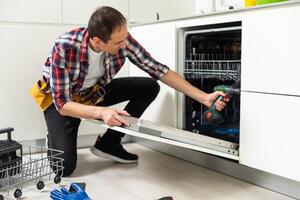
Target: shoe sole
102,154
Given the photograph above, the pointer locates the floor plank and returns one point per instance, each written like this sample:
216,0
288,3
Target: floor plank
154,176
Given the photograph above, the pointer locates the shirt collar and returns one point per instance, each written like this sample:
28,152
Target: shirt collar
84,47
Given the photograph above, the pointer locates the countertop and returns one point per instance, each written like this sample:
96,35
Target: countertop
243,9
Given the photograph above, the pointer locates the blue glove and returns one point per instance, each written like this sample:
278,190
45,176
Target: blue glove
64,194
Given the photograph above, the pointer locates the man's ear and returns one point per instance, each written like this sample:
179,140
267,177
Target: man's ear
97,40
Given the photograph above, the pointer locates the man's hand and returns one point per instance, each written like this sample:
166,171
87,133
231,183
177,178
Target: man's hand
210,98
177,82
110,116
113,117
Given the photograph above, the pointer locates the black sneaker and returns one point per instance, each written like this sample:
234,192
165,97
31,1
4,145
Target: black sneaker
115,152
166,198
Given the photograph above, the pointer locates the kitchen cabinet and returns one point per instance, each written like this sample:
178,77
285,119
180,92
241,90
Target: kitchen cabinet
26,48
270,50
271,101
46,11
158,39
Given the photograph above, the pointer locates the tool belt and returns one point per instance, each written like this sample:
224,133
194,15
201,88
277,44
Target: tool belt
41,93
90,96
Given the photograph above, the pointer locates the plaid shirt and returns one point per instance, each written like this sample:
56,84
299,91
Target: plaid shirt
68,64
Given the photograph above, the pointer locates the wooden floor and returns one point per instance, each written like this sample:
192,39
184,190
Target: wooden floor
154,176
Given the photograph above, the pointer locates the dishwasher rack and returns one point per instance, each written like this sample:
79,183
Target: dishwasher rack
220,69
33,167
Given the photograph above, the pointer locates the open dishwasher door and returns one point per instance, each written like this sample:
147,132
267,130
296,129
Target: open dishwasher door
170,135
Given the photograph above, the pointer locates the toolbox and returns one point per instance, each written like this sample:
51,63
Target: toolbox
10,154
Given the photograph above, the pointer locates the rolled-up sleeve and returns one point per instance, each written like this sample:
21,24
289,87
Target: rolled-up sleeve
141,58
59,80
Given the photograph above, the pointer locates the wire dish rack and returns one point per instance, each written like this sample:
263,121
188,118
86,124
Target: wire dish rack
30,167
220,69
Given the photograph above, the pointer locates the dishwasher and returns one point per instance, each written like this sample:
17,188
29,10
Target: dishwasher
212,58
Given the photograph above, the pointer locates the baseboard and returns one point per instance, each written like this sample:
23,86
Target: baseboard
263,179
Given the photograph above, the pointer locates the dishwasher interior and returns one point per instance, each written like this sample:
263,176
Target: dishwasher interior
212,57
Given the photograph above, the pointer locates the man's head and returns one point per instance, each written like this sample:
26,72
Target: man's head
108,30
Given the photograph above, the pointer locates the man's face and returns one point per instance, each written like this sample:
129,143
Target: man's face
116,42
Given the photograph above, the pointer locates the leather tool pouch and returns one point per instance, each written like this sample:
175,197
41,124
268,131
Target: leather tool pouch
90,96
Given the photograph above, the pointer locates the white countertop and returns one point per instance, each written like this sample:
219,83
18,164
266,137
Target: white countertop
264,6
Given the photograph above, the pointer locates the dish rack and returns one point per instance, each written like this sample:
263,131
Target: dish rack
17,169
222,67
222,70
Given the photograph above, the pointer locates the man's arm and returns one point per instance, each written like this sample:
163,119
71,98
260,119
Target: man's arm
141,58
110,116
175,81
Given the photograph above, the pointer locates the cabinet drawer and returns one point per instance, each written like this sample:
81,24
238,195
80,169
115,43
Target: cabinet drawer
270,137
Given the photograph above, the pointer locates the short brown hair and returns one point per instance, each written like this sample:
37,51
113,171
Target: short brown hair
104,21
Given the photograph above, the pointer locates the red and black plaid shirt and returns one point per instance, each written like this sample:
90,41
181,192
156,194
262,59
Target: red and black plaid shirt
68,64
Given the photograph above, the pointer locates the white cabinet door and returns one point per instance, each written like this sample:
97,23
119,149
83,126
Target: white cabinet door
46,11
270,133
270,50
159,41
79,11
26,49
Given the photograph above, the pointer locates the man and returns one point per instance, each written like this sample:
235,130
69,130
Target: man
80,71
